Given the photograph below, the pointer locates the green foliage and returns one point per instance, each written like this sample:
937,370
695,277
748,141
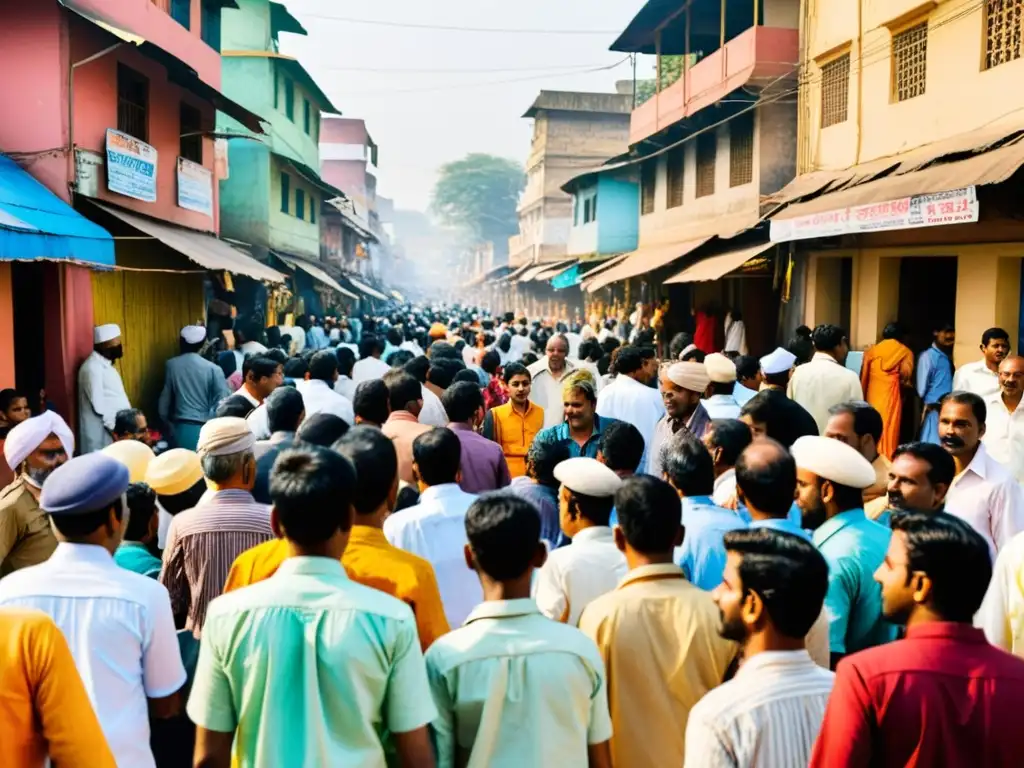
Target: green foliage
671,71
479,194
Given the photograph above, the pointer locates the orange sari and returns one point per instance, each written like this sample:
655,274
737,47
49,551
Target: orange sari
887,366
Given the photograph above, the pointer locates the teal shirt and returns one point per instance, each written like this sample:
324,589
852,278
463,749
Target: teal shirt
135,556
560,434
854,547
309,668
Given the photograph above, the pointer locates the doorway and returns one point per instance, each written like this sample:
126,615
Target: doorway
27,279
927,297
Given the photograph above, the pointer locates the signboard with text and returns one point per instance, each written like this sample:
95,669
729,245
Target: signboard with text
131,166
195,187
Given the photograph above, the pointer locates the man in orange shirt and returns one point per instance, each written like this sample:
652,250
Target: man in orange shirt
514,424
369,559
403,425
44,711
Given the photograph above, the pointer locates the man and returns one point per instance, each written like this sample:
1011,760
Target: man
1004,426
309,612
100,390
769,714
318,391
286,412
193,386
935,379
131,424
433,414
682,386
859,425
920,701
720,403
516,423
177,477
657,632
204,541
919,478
581,431
726,441
558,713
622,449
403,425
830,482
825,381
135,552
346,362
372,403
748,378
547,374
630,398
483,466
435,528
260,376
770,413
33,449
776,369
690,471
982,377
370,366
118,623
575,575
983,493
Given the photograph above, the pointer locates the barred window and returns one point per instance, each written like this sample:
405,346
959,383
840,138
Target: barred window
707,149
1003,24
132,103
648,179
741,149
910,62
191,141
674,194
835,91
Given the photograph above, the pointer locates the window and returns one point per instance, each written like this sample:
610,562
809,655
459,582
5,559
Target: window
300,204
211,24
305,116
674,177
576,211
286,193
191,141
181,12
707,149
277,100
593,207
909,62
312,209
1004,20
590,209
289,99
835,90
741,149
648,180
132,103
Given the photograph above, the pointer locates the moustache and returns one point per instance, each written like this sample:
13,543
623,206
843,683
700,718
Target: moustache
952,441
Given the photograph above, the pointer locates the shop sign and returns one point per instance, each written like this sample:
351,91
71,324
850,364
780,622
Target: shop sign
195,187
131,166
959,206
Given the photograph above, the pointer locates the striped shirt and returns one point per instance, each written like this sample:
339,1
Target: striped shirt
202,544
769,715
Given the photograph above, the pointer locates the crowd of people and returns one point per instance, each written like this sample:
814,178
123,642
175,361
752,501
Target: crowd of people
444,537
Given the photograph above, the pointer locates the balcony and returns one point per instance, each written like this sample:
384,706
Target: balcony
759,57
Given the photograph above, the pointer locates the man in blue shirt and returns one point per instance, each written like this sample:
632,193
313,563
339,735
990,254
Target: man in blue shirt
766,485
935,379
581,431
193,388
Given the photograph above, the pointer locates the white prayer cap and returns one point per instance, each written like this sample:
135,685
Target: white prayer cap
686,350
720,368
193,334
102,333
691,376
779,361
833,460
26,437
588,477
225,436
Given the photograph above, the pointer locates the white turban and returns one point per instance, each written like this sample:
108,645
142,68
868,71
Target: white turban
193,334
720,368
690,376
225,436
833,460
27,436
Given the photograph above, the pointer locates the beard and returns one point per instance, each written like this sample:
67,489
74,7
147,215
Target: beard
37,475
813,518
733,629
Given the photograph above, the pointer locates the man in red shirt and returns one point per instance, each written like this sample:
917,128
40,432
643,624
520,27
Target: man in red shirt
943,695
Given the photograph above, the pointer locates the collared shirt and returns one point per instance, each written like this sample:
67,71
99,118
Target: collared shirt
940,697
263,447
345,387
561,434
697,424
265,458
119,627
368,560
978,378
193,387
403,428
742,394
202,544
546,390
244,392
658,636
822,383
702,555
721,407
44,709
513,689
768,716
514,432
435,529
986,495
100,396
368,369
1001,615
1004,435
934,377
575,575
433,413
854,547
628,400
135,556
270,669
318,397
725,487
482,462
784,524
25,534
545,499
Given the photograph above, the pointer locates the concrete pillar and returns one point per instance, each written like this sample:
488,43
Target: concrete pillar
987,295
824,281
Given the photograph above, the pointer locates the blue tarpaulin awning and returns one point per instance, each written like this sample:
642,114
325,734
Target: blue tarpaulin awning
36,224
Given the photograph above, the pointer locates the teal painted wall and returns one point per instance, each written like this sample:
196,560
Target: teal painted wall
245,194
618,214
288,232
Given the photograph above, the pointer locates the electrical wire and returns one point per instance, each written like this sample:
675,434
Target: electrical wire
455,71
453,28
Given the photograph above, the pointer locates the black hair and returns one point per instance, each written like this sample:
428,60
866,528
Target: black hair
296,368
787,572
943,326
186,348
236,405
323,429
769,483
7,398
892,331
942,467
732,436
610,344
866,420
695,356
323,366
284,409
125,421
960,397
141,500
399,357
442,371
622,447
648,510
438,455
490,362
628,360
395,336
468,376
679,342
953,555
504,533
372,401
417,368
529,358
604,365
512,370
596,509
688,465
784,419
78,526
177,503
261,367
375,461
312,489
346,360
277,355
994,334
442,349
505,342
846,498
461,400
370,345
542,459
408,496
827,337
402,390
747,367
801,348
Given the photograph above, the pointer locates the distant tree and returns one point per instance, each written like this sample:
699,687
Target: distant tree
479,194
671,71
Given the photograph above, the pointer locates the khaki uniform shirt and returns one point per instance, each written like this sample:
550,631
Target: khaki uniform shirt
25,535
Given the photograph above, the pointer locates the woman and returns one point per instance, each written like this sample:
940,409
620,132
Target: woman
887,368
495,393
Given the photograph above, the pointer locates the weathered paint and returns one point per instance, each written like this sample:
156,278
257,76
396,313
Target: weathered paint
616,226
6,328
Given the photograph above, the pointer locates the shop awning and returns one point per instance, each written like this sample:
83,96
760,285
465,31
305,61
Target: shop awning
373,293
205,250
718,266
311,176
536,271
315,272
36,224
512,276
554,269
642,261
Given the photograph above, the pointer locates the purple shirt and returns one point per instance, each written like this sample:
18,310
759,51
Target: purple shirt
483,463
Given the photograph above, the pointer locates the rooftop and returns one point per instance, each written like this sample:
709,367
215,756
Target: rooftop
576,101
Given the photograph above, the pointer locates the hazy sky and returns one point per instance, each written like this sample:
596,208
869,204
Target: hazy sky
421,117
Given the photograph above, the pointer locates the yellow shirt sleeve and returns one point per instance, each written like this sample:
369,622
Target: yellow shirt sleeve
431,622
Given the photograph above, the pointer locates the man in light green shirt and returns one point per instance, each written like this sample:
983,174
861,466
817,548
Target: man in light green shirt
309,668
512,687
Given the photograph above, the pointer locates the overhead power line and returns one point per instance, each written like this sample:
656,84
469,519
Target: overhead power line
453,28
458,70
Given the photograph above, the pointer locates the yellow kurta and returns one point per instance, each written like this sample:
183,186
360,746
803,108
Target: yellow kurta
514,432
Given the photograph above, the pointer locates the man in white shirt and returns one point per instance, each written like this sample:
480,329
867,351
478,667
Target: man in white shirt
1004,423
770,713
983,492
721,403
547,374
435,529
318,391
520,344
725,440
824,381
100,390
629,398
118,624
370,366
592,565
982,377
346,361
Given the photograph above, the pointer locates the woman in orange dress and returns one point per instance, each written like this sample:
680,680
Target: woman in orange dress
888,366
